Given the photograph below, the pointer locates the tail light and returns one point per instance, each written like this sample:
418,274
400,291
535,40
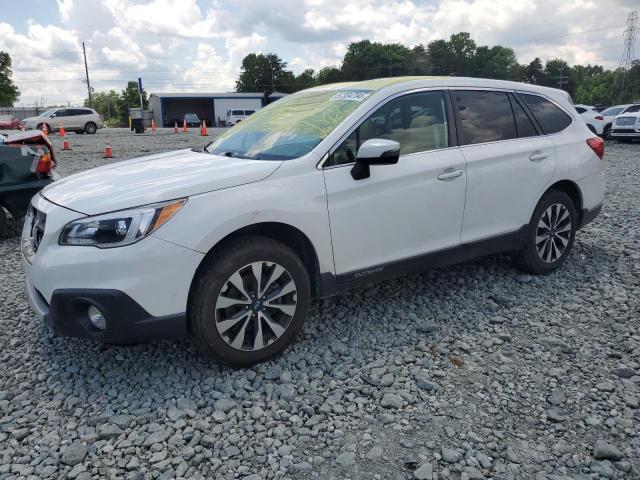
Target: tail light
599,117
45,163
597,145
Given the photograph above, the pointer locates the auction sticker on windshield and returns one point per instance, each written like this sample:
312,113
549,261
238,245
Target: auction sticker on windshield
355,95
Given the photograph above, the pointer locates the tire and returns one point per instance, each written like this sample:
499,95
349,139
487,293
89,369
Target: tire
3,222
540,257
90,128
254,331
606,132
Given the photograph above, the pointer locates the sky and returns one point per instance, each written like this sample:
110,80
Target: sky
198,45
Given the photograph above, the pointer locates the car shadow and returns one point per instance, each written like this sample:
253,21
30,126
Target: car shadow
345,331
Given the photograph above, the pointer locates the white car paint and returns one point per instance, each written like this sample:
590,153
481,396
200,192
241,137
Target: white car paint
609,114
591,117
626,126
402,210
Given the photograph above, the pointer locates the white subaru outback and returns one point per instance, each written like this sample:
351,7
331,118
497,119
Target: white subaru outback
322,191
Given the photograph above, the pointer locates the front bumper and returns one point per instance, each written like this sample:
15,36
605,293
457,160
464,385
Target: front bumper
142,288
126,320
625,133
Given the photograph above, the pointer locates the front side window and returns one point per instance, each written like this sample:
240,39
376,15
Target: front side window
550,118
418,122
485,116
290,127
238,113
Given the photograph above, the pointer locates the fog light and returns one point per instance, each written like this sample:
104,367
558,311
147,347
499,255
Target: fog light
96,318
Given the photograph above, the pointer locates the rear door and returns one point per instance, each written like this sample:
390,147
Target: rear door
509,162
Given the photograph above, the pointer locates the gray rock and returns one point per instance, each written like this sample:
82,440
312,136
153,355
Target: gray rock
224,405
557,397
624,372
158,436
606,387
375,453
391,400
346,459
450,455
423,472
257,412
108,431
603,450
602,468
73,454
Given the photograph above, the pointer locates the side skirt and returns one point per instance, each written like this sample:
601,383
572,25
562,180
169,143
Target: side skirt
335,285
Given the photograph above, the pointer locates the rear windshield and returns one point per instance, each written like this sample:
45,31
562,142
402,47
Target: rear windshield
290,127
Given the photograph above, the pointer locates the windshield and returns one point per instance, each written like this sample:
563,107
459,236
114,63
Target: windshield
289,128
612,111
191,116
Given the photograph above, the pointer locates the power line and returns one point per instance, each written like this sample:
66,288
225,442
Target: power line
630,34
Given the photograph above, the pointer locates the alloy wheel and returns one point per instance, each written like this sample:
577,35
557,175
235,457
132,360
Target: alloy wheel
553,233
255,306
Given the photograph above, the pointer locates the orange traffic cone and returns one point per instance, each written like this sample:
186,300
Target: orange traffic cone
184,126
153,125
203,129
108,153
62,132
65,144
45,129
175,127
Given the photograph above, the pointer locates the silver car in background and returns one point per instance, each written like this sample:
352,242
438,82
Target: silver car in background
74,119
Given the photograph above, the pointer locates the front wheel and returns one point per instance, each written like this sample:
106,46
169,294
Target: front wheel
550,234
606,133
250,301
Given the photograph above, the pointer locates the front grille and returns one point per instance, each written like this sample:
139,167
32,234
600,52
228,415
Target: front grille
626,121
623,130
33,232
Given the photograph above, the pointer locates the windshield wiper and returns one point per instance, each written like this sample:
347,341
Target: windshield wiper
231,154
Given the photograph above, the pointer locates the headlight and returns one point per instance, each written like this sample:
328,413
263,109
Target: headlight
121,228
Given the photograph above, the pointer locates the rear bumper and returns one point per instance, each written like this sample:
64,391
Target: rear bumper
126,320
589,215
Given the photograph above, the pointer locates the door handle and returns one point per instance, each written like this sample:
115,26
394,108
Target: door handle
537,156
450,175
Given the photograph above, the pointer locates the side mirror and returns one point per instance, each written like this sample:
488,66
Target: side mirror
375,151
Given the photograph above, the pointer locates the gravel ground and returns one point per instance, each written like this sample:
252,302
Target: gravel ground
469,372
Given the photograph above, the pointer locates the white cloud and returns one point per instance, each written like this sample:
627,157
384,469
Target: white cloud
189,45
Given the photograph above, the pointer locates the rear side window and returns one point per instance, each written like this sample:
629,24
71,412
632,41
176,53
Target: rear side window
550,117
238,112
524,125
485,116
580,109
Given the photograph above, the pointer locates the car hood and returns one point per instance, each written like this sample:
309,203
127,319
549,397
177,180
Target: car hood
154,178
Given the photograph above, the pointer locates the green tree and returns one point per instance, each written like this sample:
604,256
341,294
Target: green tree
129,98
108,104
329,75
264,73
305,80
534,71
9,93
365,60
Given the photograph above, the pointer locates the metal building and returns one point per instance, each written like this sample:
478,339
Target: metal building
168,108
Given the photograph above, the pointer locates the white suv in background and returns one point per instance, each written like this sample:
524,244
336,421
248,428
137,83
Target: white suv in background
626,126
74,119
611,113
325,190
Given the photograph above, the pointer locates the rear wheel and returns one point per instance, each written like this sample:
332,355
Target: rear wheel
550,234
250,302
90,128
606,132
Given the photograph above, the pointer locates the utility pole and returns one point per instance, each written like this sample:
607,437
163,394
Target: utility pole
562,77
86,71
630,35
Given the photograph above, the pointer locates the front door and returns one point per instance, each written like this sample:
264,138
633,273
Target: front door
402,210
